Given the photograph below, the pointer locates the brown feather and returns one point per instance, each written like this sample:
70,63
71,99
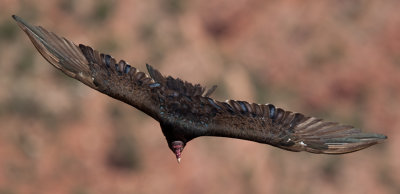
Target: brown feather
185,111
94,69
290,131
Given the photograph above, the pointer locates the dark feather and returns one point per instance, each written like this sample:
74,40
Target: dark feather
290,131
99,71
185,111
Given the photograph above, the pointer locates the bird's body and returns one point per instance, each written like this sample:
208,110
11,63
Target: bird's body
186,111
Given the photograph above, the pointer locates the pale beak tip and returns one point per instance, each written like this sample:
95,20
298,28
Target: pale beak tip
179,160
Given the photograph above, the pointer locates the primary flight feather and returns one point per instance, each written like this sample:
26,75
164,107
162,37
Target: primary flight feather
185,111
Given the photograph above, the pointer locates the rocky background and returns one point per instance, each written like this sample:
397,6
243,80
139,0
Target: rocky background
339,60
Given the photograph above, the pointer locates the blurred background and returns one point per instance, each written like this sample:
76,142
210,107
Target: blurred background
339,60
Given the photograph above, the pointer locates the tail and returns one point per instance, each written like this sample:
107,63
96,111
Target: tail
60,52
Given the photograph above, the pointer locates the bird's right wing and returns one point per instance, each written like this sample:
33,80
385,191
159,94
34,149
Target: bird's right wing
99,71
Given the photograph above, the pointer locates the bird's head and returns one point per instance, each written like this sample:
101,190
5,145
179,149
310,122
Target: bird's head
177,148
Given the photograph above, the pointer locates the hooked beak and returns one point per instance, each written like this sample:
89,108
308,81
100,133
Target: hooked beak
177,148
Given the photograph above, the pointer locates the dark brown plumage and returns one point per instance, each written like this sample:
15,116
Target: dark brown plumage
185,111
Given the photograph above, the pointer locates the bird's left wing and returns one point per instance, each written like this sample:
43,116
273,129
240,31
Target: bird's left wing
97,70
284,129
185,106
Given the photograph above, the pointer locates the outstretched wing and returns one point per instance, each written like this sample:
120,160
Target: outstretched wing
185,106
284,129
99,71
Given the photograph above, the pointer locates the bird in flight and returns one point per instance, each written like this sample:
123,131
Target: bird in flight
186,111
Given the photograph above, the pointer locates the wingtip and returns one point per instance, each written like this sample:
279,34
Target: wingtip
17,18
20,22
381,138
352,143
373,137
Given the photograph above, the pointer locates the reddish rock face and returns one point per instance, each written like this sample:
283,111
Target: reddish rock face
323,57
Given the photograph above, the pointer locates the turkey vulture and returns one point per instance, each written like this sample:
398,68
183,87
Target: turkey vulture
185,111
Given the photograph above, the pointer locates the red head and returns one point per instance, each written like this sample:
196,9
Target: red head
177,148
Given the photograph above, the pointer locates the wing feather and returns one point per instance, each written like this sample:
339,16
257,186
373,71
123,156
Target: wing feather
178,86
184,105
287,130
97,70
